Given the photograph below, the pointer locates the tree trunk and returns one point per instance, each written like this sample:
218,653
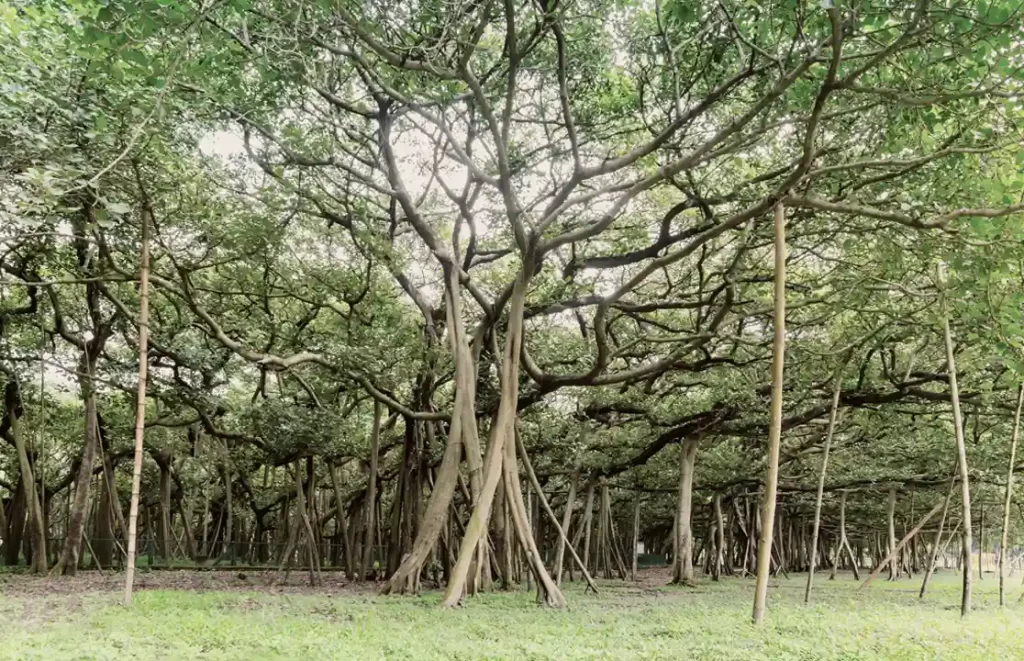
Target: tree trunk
16,519
603,556
186,526
302,504
371,492
550,592
961,446
466,380
1004,539
140,403
566,520
891,557
930,567
3,523
813,556
719,538
891,546
501,435
339,515
634,549
68,564
436,513
111,485
683,574
775,423
588,516
164,527
543,502
228,537
844,543
102,542
14,410
204,550
981,543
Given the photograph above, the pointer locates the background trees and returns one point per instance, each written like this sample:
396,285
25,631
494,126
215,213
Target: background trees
389,238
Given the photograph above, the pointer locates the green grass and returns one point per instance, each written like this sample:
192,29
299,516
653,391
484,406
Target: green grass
710,621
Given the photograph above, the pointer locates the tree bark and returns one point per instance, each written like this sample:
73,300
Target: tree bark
436,513
1004,540
775,423
16,520
185,511
103,543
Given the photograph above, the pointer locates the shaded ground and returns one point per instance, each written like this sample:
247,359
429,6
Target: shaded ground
267,581
218,615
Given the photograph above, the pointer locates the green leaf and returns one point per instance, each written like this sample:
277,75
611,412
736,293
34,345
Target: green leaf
118,208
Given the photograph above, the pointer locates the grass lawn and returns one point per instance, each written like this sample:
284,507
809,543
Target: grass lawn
626,621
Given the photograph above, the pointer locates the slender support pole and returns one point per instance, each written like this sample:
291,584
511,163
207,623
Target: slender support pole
764,549
821,488
1004,540
140,405
961,446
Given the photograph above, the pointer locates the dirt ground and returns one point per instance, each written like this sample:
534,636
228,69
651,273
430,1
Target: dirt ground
22,584
18,584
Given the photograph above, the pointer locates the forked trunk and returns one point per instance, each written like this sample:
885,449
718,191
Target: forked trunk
501,436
